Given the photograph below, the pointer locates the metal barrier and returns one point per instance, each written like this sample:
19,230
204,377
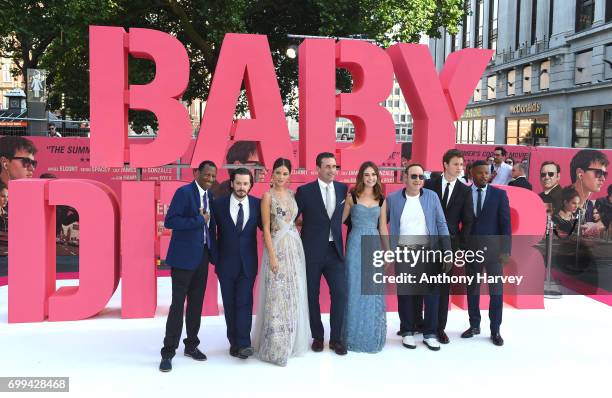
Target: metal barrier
39,127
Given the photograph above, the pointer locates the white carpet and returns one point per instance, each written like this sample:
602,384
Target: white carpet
562,351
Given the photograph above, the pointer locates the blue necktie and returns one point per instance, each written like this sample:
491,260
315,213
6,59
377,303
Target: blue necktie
478,202
240,218
206,234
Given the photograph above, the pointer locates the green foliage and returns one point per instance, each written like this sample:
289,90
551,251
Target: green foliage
53,35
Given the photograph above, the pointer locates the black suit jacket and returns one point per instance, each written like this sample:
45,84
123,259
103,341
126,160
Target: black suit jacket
315,222
554,197
459,212
521,182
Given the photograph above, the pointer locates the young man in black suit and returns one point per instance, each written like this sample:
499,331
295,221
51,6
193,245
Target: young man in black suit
456,200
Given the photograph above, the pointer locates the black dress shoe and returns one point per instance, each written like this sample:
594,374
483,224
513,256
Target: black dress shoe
317,345
471,332
233,351
338,347
401,332
165,365
245,352
196,354
497,339
443,337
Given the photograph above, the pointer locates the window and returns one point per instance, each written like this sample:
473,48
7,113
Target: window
534,19
545,75
511,82
585,11
396,103
608,10
520,131
551,13
527,79
493,6
6,73
476,131
608,61
582,73
479,22
477,93
491,83
467,21
593,127
396,91
517,29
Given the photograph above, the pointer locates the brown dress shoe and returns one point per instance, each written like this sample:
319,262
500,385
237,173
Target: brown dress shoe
338,347
497,339
443,338
317,345
471,332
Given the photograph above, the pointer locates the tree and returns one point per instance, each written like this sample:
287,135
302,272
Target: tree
54,35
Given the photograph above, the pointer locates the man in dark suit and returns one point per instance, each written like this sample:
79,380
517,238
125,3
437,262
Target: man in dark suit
456,200
550,174
237,217
321,203
191,248
519,177
491,229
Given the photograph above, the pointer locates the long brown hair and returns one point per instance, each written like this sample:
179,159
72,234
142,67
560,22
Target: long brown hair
360,185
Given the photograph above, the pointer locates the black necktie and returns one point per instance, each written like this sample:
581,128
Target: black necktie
240,218
478,202
445,196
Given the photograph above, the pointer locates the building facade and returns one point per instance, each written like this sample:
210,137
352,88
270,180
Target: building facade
550,79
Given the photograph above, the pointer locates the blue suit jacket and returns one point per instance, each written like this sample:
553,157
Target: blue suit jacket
236,250
494,219
316,223
187,225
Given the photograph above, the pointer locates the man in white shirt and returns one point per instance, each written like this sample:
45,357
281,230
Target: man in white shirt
502,172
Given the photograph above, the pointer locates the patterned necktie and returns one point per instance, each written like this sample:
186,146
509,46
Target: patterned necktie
328,202
445,196
240,218
206,234
479,202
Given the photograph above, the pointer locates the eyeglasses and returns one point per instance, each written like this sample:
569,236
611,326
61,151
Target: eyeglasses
419,176
551,174
509,162
598,172
51,127
26,162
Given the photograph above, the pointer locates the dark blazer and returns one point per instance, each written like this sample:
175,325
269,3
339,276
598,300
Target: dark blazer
187,225
494,219
460,210
316,223
554,197
236,250
521,182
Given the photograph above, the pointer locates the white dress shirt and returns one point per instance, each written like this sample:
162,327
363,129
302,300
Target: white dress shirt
332,193
234,208
504,174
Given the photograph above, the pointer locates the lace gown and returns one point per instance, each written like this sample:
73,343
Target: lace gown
365,324
282,327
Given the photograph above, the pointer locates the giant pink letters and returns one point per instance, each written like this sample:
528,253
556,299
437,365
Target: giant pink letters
108,241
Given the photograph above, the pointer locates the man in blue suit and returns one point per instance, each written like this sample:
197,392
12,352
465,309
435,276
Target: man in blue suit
191,248
238,217
321,203
491,229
